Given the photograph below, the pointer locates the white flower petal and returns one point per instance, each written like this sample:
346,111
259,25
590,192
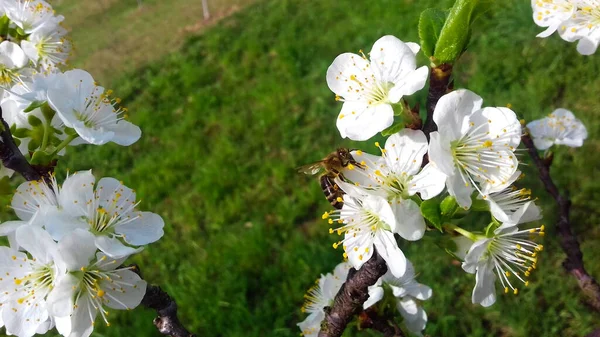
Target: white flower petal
405,150
61,299
145,229
484,292
387,247
129,295
429,183
77,190
345,73
375,295
77,249
410,222
410,83
114,248
125,133
452,109
391,60
38,243
440,154
361,121
459,189
83,317
415,318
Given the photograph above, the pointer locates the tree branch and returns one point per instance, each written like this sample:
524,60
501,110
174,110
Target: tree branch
370,319
157,299
567,239
167,321
12,157
439,84
349,300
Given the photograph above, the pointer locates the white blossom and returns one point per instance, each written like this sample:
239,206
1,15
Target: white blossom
408,293
508,254
473,146
369,88
108,211
320,296
26,282
32,15
367,221
552,14
85,107
12,64
583,26
560,127
397,176
92,283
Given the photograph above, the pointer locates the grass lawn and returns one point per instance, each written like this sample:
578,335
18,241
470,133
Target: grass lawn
228,118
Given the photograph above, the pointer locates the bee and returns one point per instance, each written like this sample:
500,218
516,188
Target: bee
331,166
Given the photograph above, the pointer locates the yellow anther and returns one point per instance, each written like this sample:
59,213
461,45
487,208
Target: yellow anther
507,273
350,167
18,281
330,221
330,230
359,152
542,228
516,291
527,283
339,199
488,143
360,257
506,290
325,215
508,105
377,144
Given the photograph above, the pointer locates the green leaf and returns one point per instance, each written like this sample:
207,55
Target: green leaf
5,187
456,32
392,129
479,205
20,132
34,121
34,105
449,206
430,209
430,25
41,158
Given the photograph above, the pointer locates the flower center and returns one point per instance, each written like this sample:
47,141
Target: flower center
514,256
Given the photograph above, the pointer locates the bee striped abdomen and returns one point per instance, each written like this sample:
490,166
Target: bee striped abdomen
331,190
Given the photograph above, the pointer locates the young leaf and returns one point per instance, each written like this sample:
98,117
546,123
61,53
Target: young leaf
456,32
392,129
430,209
430,25
449,206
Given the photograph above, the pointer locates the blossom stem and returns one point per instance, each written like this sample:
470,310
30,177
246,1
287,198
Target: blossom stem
47,127
461,231
64,144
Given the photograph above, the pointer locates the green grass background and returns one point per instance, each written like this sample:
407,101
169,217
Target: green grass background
229,116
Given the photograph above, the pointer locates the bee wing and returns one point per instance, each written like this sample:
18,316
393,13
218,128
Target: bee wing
311,169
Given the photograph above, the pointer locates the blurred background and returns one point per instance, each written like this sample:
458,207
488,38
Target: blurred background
230,106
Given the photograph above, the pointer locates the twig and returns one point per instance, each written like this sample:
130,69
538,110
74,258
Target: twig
167,321
439,84
12,157
370,319
349,300
567,239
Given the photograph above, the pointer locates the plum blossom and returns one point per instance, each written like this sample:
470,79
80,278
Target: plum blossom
85,107
28,281
506,254
107,210
93,282
473,146
560,127
551,14
408,293
369,88
367,221
397,176
320,296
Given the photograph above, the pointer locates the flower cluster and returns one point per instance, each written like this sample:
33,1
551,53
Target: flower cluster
64,266
418,183
33,40
46,109
575,20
